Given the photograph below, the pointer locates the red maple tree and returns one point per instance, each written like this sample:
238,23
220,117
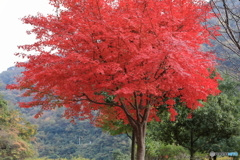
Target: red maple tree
141,53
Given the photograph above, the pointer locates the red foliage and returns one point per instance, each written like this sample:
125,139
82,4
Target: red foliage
140,51
190,116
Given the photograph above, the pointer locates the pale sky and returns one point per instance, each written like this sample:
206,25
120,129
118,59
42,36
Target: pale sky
13,31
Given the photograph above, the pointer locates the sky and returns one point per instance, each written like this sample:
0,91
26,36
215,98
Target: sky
13,31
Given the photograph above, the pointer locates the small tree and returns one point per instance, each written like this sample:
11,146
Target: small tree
144,53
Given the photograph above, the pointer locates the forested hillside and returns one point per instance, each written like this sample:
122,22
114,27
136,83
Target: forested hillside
57,137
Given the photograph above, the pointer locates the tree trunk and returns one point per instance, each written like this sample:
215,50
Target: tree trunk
140,131
133,146
191,156
139,126
191,149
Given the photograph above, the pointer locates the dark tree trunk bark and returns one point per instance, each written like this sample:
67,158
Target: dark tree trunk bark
140,139
139,130
139,125
191,150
